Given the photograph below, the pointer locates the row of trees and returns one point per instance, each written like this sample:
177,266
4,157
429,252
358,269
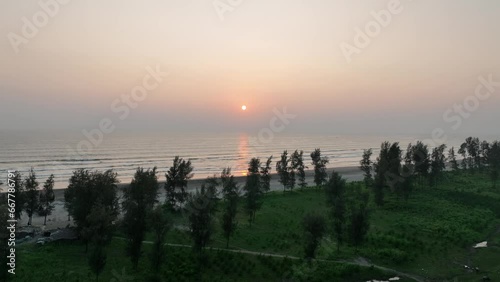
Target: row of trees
29,197
349,217
400,173
92,198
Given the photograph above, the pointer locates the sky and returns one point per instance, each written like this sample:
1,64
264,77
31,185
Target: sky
421,61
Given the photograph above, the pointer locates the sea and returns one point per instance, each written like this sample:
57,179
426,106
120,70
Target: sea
62,153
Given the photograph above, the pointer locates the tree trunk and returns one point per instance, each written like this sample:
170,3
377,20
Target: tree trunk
227,243
45,219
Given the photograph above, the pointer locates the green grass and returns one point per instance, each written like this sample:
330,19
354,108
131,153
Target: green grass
68,262
430,235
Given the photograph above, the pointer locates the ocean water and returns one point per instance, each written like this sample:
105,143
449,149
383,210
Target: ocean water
58,154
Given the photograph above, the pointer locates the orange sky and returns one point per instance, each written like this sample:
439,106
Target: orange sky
264,54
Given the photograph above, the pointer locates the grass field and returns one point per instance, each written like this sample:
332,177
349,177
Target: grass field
430,236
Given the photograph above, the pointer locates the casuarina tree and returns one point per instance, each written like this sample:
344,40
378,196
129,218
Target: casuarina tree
230,194
253,191
47,198
319,162
138,202
282,167
32,194
265,175
299,168
365,165
85,190
314,229
335,197
160,225
177,179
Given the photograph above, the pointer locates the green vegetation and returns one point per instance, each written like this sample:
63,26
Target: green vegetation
428,234
85,192
431,235
253,190
47,198
138,202
69,263
32,194
177,180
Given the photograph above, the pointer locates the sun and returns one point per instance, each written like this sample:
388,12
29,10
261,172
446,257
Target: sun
244,108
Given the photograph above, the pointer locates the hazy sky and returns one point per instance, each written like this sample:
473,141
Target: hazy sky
262,53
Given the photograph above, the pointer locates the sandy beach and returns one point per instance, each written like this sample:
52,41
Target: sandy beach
59,216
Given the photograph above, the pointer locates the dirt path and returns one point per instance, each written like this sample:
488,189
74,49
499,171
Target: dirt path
358,261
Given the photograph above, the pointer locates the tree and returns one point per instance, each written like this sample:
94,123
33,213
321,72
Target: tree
420,156
463,152
210,186
314,229
47,198
177,179
231,198
452,158
485,147
228,183
32,194
335,197
319,163
381,167
282,167
97,260
438,164
365,165
359,220
265,175
409,155
138,201
99,231
407,183
493,159
199,207
160,224
471,149
393,173
378,188
85,190
299,168
407,173
100,228
253,192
